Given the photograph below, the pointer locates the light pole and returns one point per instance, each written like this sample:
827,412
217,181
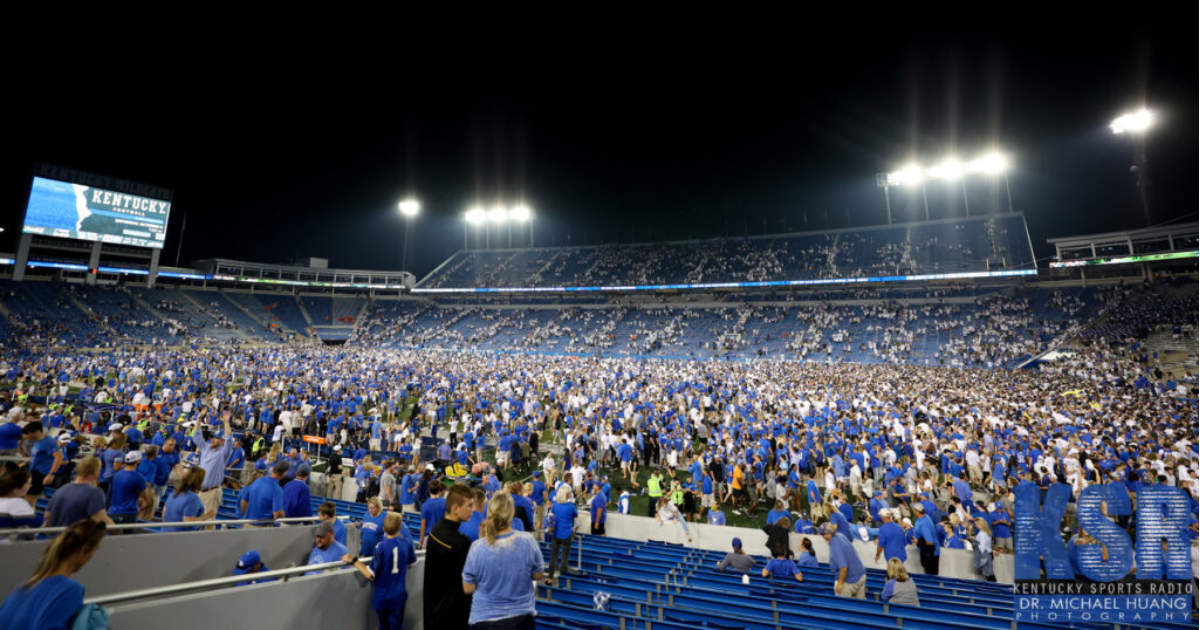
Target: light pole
409,208
1136,124
522,215
475,216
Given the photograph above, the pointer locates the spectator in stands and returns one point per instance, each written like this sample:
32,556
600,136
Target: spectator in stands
79,500
668,511
130,492
845,564
297,499
50,598
264,502
184,504
470,527
899,589
777,534
251,562
925,534
45,459
327,512
737,559
564,514
325,548
10,435
807,558
391,594
15,511
782,566
984,554
891,541
371,527
446,605
334,473
500,570
432,511
214,453
387,485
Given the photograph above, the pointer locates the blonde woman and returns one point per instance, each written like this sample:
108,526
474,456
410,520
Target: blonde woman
899,588
983,549
501,569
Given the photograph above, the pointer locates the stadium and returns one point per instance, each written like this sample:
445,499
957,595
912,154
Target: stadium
956,420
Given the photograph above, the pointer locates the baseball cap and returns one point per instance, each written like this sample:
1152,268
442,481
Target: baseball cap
337,449
737,543
64,437
133,457
246,562
537,473
919,508
829,528
304,470
116,426
324,529
908,522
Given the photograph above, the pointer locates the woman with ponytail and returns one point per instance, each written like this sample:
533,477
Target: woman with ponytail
500,570
51,599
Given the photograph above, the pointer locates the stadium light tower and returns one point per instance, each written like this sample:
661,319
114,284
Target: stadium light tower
949,170
1136,124
474,216
522,214
911,175
409,208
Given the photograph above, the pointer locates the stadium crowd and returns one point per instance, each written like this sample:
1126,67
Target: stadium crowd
896,454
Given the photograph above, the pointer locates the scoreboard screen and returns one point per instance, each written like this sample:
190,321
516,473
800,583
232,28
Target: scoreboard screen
68,210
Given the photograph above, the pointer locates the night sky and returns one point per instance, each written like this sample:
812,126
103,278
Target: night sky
282,153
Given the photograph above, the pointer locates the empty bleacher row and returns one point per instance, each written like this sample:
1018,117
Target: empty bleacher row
971,244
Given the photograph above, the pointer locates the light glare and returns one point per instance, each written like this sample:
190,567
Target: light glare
497,214
520,213
409,208
993,163
1136,122
476,216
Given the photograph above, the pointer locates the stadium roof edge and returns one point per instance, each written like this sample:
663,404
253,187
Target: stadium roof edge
881,226
1125,235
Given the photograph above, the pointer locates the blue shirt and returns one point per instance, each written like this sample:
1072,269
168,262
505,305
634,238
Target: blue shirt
408,489
332,553
470,527
891,538
432,511
41,456
924,530
10,436
390,565
716,517
213,460
807,560
842,554
49,605
106,463
297,499
564,519
264,499
179,506
372,533
126,487
501,573
599,509
165,462
781,567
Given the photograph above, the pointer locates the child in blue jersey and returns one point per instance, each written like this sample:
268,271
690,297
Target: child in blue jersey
389,568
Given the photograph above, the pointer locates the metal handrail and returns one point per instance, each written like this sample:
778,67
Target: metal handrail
153,525
223,581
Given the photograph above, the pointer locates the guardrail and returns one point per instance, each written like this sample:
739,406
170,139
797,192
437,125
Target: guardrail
154,525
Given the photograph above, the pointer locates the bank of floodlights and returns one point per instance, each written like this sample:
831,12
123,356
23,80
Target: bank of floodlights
949,170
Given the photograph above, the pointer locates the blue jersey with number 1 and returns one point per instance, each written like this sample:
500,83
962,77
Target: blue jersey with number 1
390,566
